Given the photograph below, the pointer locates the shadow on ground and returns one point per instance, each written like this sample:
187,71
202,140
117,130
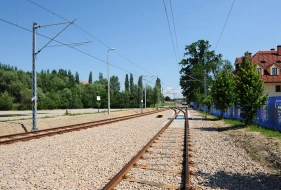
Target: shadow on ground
235,127
24,128
223,180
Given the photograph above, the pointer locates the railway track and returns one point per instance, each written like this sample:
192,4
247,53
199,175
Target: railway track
8,139
162,163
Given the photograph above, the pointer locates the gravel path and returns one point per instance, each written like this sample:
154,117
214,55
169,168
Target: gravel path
222,165
78,160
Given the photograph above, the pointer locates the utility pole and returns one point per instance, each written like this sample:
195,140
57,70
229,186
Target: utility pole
34,78
174,98
34,81
205,91
162,97
145,94
141,95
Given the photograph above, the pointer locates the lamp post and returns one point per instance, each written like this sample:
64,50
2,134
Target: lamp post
108,81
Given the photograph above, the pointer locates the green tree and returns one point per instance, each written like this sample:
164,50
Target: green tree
77,80
223,91
156,95
100,76
222,65
90,80
6,102
25,101
114,83
199,59
131,82
250,90
158,83
167,98
208,101
140,81
127,83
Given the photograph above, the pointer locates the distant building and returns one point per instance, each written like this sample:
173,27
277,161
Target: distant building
268,65
84,82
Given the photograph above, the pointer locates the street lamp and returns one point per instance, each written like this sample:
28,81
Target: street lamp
108,81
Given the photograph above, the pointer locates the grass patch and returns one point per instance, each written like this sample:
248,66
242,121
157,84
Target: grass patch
265,131
233,122
203,114
47,116
252,128
75,114
255,128
15,119
168,104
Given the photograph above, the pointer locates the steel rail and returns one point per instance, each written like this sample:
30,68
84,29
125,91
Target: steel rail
187,185
59,130
121,174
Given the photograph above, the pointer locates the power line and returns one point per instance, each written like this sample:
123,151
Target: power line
170,29
86,33
171,32
224,24
175,29
71,46
68,45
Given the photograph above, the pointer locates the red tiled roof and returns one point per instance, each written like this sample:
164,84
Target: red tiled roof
269,65
271,79
84,82
238,60
266,59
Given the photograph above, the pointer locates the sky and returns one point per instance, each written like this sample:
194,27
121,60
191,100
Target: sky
139,32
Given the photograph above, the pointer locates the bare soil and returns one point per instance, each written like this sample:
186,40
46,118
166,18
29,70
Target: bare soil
263,149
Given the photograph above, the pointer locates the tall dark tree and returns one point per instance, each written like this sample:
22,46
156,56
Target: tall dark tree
77,80
131,82
90,80
158,83
127,85
70,78
100,76
140,82
200,59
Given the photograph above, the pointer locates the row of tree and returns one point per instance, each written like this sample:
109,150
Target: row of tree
224,87
62,90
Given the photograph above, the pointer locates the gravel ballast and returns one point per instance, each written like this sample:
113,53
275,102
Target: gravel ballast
222,165
84,159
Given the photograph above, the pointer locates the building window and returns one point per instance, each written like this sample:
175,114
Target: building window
259,70
277,88
274,71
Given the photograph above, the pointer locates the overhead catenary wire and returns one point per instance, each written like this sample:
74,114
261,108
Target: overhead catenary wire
225,24
170,30
98,39
171,36
86,33
72,46
175,28
16,25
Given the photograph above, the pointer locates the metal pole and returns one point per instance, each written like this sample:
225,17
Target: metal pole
162,98
175,99
34,94
108,83
205,92
141,95
145,95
